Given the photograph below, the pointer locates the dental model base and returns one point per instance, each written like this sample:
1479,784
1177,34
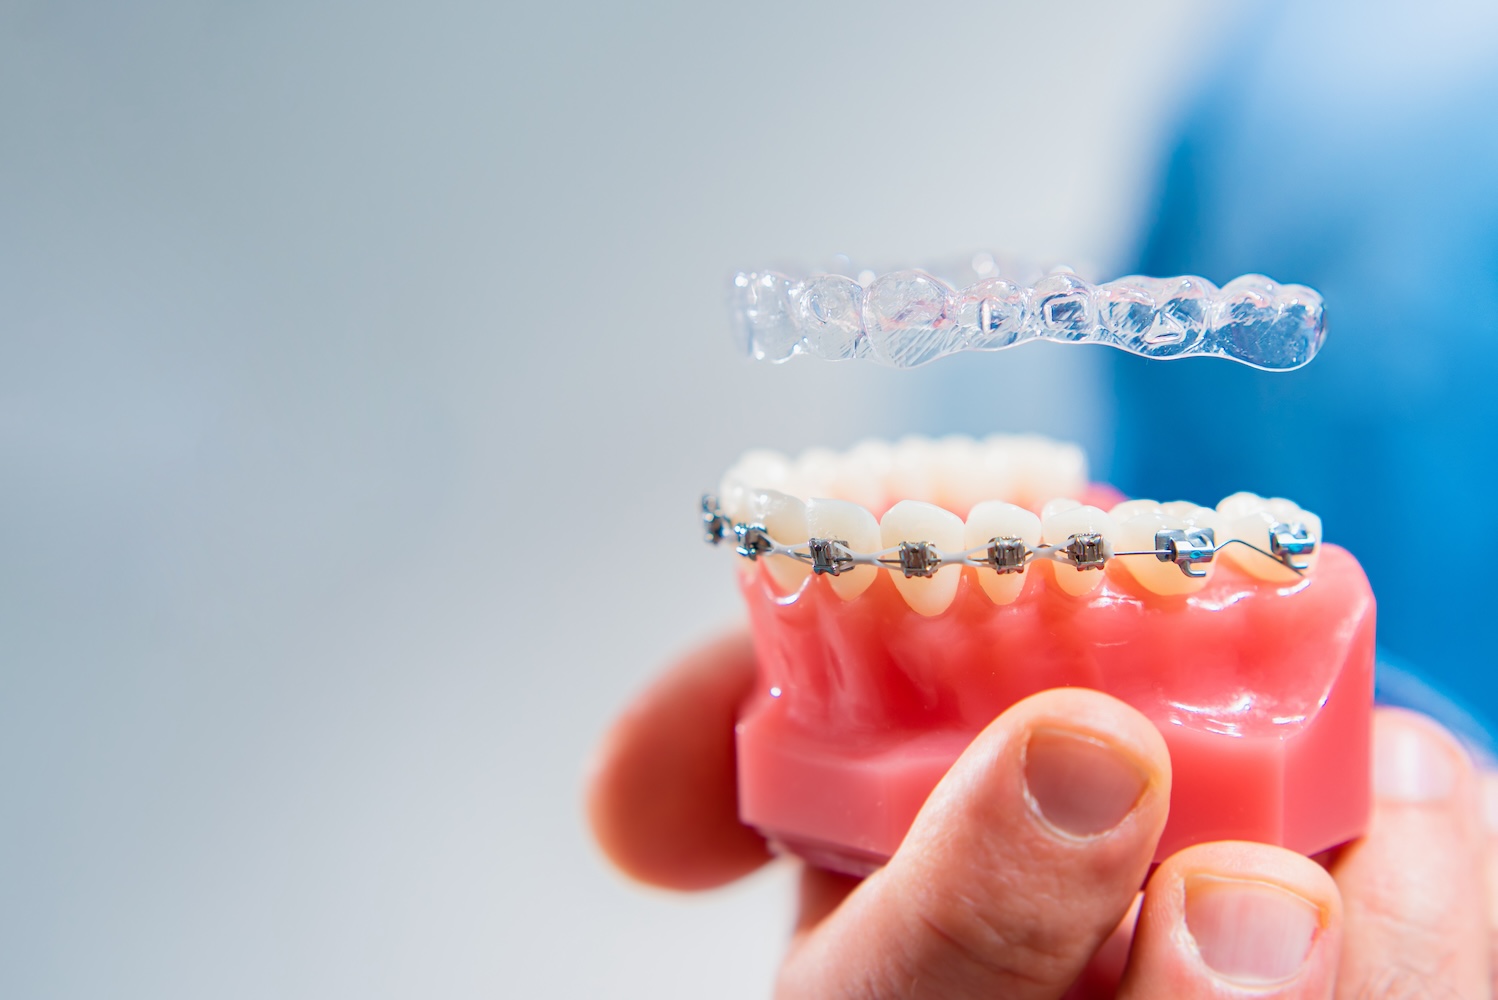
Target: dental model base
885,644
909,318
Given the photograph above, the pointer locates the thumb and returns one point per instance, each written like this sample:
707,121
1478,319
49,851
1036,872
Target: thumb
1022,861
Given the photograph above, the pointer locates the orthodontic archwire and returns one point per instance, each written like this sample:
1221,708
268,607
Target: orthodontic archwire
1188,548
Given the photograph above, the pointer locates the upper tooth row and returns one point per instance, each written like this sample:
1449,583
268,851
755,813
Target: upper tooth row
952,472
1172,545
909,318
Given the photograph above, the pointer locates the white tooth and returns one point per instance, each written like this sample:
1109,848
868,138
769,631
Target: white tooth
1057,506
855,527
1136,533
851,483
761,467
870,463
996,519
1249,517
1289,511
1181,508
954,461
1130,508
914,521
1056,470
1044,469
999,449
993,472
912,474
1062,518
1239,504
784,520
815,472
733,500
758,469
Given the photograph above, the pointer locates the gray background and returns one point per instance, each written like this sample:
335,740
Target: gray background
361,366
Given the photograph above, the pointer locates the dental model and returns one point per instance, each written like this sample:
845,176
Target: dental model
909,318
903,596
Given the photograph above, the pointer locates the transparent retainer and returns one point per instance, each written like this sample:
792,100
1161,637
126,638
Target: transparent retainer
909,318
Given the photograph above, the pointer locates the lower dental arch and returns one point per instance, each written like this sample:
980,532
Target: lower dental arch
1289,543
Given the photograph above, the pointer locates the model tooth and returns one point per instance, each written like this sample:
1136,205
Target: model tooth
1239,504
814,473
914,521
1062,518
993,474
871,462
1058,505
1136,533
855,527
761,467
1040,468
758,469
855,484
912,471
1052,469
1181,508
954,460
1250,517
996,519
784,519
1129,508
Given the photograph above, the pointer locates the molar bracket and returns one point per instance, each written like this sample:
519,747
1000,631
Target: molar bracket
1187,549
1290,544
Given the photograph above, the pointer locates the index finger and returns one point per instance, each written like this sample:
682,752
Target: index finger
662,796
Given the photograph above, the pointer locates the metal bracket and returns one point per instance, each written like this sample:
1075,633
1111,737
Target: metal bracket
919,559
715,527
829,555
753,540
1086,550
1290,544
1187,549
1007,554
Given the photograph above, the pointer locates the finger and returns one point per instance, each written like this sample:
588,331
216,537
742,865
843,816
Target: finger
1413,886
821,893
1099,981
662,797
1021,863
1232,920
1488,791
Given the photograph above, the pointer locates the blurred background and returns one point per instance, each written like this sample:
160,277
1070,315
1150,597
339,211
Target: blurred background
362,365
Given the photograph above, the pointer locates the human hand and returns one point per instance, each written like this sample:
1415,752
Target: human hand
1020,876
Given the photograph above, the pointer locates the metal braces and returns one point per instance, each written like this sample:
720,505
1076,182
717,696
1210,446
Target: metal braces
1290,544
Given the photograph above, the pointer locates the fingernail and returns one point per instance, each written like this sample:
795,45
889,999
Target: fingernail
1078,784
1250,933
1410,764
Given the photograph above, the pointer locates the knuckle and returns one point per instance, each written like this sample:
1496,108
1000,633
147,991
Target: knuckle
1401,982
1423,967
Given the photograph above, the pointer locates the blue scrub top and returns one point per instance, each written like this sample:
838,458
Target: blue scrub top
1354,150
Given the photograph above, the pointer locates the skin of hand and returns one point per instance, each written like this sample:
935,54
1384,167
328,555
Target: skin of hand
1021,875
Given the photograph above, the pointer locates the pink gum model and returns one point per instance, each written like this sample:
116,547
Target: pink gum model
1262,691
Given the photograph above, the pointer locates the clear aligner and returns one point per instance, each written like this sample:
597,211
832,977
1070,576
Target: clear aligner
910,318
1188,548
